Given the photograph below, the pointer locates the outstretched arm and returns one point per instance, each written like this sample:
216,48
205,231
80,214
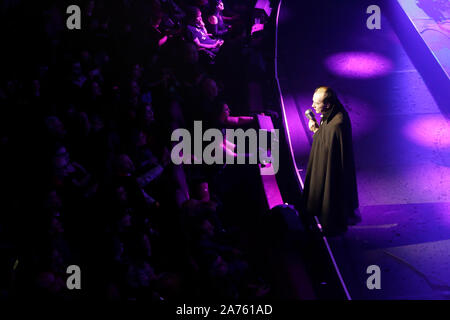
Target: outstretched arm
206,46
238,121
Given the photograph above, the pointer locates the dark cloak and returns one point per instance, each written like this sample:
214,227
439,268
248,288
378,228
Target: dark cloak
330,191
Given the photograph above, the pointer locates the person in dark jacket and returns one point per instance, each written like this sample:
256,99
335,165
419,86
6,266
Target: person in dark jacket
215,23
330,191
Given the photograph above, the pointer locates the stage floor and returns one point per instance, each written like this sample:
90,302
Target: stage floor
401,142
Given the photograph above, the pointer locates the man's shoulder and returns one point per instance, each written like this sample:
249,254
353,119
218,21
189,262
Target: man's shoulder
192,29
192,32
337,120
340,122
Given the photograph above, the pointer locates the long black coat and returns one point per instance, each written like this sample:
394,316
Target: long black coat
330,191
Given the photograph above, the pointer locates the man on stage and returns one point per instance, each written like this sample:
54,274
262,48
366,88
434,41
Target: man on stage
330,191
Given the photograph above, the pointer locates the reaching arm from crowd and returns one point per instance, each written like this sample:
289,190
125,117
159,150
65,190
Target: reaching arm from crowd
238,121
208,46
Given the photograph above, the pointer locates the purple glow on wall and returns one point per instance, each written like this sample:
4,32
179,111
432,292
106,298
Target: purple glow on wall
358,65
430,131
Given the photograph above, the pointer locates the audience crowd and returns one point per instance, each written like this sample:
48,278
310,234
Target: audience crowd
86,123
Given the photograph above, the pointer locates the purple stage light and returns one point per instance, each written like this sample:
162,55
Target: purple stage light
430,131
360,65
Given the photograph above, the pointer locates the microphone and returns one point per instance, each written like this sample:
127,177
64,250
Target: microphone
310,115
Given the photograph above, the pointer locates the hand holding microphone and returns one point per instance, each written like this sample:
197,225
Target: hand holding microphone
312,124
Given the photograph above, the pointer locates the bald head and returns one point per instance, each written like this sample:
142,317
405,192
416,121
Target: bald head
324,98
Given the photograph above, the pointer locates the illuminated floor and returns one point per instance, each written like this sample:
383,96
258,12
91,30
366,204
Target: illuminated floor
401,141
